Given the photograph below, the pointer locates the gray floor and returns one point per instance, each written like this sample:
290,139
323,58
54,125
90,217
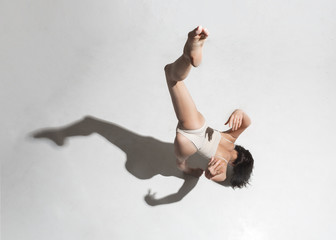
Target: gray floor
91,73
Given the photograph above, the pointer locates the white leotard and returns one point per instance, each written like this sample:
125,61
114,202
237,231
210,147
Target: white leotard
205,139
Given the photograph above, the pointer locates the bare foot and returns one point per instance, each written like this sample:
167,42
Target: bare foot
194,45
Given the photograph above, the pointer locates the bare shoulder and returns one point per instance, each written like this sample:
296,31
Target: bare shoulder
229,136
234,134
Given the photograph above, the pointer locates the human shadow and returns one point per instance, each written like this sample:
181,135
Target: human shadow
146,156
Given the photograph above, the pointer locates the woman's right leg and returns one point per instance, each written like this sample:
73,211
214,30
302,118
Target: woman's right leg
184,106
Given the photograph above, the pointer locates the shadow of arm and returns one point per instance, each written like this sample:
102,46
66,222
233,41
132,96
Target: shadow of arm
189,183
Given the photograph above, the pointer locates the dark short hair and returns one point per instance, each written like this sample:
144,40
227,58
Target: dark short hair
242,168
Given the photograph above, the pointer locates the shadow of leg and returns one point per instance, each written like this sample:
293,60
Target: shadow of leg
83,127
146,156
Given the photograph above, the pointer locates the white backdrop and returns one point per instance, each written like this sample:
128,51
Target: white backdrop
63,60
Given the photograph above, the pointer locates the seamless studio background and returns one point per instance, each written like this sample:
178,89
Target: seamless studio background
86,79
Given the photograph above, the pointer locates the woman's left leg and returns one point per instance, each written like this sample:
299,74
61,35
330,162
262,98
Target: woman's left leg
184,106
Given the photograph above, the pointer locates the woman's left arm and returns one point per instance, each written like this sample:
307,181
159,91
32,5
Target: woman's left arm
238,121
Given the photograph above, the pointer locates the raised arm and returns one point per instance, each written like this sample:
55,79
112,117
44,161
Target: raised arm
238,122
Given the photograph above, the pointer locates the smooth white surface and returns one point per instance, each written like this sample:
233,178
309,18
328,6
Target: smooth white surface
63,60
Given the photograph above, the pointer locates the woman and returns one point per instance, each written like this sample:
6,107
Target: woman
193,133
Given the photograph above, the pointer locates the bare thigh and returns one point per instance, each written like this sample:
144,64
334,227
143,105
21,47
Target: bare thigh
183,147
188,116
186,112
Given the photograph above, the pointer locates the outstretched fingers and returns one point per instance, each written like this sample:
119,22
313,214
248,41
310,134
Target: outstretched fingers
234,122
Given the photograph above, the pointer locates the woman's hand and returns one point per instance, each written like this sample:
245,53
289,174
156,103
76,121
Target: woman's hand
216,170
236,119
215,167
